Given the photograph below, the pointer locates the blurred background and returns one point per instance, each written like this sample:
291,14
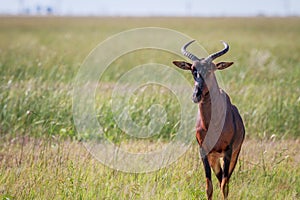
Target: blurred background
151,8
42,155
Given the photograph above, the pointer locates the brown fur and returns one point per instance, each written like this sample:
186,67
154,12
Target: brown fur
225,136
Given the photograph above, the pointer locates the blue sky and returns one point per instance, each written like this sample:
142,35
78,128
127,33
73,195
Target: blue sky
155,7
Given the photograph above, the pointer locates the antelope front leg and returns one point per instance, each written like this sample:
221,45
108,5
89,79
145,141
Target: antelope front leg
225,178
209,186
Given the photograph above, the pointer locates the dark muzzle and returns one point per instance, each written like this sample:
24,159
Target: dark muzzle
197,92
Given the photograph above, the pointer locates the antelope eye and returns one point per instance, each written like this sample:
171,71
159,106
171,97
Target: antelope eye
196,74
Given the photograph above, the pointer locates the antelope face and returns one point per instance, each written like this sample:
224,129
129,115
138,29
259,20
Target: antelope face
202,69
198,86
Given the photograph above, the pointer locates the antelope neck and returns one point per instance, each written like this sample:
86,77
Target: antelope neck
212,98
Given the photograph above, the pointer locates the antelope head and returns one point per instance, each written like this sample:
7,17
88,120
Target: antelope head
202,69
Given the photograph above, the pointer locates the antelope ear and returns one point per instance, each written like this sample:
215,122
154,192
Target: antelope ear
223,65
183,65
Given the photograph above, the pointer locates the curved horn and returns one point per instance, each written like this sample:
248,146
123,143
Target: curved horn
219,53
188,54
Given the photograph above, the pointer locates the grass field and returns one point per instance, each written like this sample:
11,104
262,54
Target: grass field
41,155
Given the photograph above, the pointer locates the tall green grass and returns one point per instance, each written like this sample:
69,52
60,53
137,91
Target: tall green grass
32,168
41,56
